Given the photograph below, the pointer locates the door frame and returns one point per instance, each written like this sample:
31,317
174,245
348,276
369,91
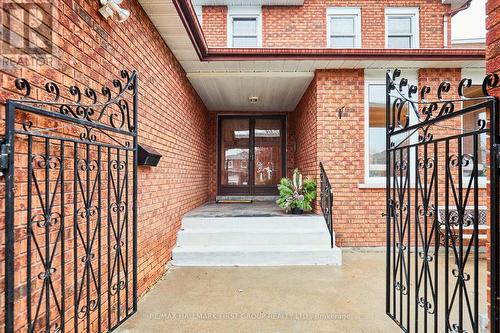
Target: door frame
251,189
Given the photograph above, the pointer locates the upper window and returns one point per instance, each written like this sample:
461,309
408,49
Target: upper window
344,27
244,27
401,28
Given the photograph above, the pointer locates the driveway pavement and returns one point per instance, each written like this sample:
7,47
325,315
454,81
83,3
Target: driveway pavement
349,298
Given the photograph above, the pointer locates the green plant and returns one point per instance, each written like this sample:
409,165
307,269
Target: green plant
296,193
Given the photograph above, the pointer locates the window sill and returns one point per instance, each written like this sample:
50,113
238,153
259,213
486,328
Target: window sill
372,185
367,185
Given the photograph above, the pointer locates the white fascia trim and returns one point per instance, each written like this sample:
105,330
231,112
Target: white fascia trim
244,11
414,12
198,9
344,11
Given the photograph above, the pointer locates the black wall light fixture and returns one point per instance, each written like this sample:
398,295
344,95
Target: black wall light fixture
147,156
344,110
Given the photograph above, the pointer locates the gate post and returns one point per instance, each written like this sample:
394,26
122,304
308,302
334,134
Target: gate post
387,194
9,217
494,218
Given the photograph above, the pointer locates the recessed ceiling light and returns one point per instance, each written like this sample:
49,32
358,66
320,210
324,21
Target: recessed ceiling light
253,99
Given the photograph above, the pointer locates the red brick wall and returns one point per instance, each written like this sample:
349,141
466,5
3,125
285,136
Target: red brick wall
356,211
91,51
214,25
339,144
305,26
493,37
305,135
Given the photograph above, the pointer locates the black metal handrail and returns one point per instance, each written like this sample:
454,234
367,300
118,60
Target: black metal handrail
326,200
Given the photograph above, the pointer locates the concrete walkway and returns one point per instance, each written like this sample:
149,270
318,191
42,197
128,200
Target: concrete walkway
349,298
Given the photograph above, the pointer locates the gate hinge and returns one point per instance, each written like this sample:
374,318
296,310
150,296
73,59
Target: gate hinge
4,157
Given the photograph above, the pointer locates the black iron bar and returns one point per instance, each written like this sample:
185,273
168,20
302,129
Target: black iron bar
387,198
442,118
494,149
75,236
394,241
46,280
417,231
29,233
108,268
447,138
53,137
62,117
437,235
88,247
475,174
425,266
408,228
63,239
99,253
400,234
447,237
134,192
117,234
126,271
460,264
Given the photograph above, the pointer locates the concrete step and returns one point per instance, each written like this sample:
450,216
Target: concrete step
271,255
309,222
252,236
254,241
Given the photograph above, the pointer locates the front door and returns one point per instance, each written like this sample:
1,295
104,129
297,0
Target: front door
251,153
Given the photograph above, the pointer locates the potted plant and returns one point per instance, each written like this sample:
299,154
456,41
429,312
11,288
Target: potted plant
296,195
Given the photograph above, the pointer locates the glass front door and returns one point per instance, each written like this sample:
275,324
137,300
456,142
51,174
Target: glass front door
251,155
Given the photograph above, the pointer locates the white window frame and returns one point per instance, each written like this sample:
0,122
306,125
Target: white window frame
244,12
230,164
354,12
477,76
377,77
413,12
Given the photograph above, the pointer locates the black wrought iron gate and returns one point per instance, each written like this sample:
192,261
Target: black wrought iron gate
70,168
441,153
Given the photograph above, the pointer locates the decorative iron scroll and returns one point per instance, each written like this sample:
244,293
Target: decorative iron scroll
436,209
405,96
109,109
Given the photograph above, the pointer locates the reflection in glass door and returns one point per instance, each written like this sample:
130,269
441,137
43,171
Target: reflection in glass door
235,155
268,144
251,155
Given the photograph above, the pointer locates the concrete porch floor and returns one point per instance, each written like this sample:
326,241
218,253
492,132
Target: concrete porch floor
254,209
349,298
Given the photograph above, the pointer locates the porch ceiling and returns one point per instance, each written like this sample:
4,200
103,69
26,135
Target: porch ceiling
226,78
279,91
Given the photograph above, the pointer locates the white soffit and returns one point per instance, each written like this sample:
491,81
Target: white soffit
231,91
247,2
168,23
455,4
